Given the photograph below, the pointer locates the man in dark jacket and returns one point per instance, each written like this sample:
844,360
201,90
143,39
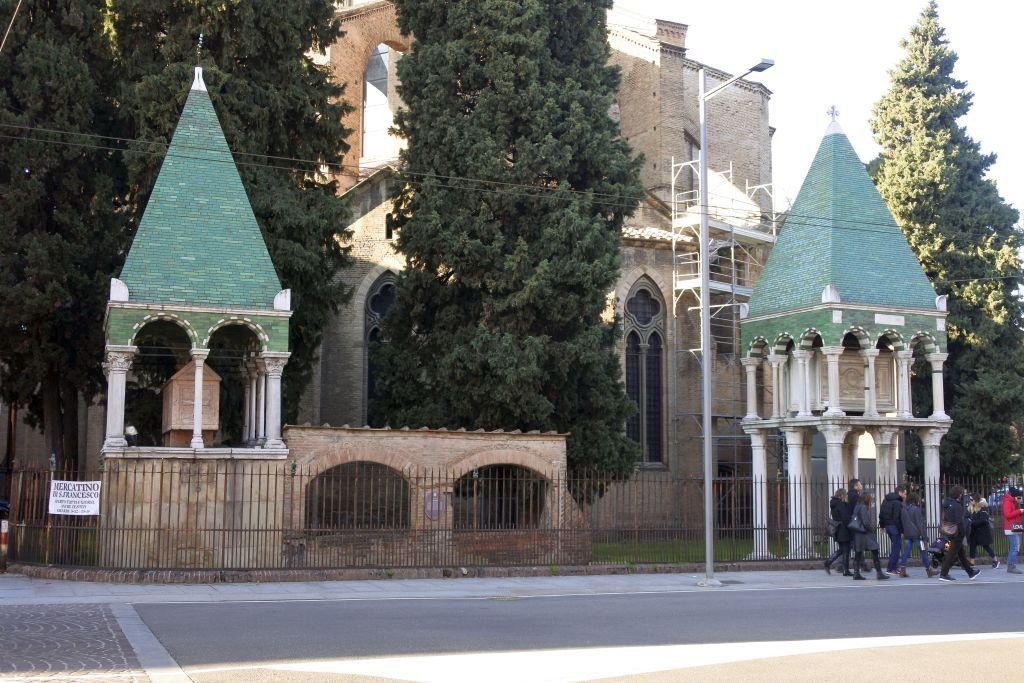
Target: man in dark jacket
890,518
953,513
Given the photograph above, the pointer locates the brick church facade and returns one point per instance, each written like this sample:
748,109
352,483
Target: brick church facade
657,110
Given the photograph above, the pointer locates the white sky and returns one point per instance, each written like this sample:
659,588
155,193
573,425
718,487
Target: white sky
831,52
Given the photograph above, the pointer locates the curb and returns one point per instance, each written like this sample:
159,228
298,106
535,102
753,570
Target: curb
210,576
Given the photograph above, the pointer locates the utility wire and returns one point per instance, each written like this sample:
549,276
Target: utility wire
491,186
8,31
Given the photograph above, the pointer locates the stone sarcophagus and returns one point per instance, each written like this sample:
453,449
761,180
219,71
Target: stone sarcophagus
179,403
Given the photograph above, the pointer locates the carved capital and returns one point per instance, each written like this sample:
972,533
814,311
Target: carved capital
905,356
931,438
832,351
936,359
274,362
119,360
834,435
200,356
749,362
802,355
870,354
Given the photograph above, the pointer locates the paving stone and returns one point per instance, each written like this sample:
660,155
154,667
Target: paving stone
65,643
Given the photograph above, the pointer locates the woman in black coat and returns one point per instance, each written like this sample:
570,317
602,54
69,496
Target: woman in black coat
841,535
981,529
866,541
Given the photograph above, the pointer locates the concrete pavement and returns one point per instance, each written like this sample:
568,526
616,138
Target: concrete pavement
92,631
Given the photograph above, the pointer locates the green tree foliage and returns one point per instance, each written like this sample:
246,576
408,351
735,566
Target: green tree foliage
933,177
279,110
60,235
516,187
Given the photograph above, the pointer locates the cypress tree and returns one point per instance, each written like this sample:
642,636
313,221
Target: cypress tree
933,175
515,188
60,235
281,114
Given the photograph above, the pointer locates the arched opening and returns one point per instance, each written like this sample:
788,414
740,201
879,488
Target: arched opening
921,401
358,495
645,369
499,497
380,102
379,300
163,349
233,352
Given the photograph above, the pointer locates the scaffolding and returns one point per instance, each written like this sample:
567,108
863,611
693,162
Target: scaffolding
742,225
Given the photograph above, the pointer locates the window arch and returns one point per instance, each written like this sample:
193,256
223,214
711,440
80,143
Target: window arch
645,369
378,302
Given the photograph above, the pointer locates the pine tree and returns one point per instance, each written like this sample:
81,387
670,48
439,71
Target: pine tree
281,115
933,177
60,235
516,187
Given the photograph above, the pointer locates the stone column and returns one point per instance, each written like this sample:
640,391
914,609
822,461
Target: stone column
750,365
885,460
848,470
803,382
118,362
274,363
199,356
800,527
832,354
759,476
252,395
246,403
870,405
931,439
778,408
938,397
261,402
904,400
835,438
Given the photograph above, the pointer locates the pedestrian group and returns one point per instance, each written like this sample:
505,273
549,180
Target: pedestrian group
966,524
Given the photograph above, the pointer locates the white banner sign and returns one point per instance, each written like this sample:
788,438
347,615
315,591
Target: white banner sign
74,498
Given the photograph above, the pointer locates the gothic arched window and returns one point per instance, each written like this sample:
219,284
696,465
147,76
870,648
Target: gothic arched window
645,369
378,301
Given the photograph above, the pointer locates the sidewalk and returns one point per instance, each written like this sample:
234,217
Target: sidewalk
20,590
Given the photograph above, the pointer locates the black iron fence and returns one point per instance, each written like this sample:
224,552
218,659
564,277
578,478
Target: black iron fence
225,514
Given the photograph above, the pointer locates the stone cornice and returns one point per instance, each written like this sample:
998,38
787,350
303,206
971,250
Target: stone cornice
935,313
185,308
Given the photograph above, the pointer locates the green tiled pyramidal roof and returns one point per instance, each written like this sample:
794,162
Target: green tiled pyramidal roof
198,242
840,232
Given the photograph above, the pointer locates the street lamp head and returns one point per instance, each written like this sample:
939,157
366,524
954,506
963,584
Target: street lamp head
763,65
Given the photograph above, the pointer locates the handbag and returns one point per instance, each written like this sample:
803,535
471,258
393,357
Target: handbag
1017,527
833,525
855,524
949,528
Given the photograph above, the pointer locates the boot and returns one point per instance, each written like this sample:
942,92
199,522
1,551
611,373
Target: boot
880,575
857,576
847,573
931,572
995,563
903,572
828,567
1012,569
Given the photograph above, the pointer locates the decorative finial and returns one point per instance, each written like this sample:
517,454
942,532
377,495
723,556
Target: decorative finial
199,48
833,112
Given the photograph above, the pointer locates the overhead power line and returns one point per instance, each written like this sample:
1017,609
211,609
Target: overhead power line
610,200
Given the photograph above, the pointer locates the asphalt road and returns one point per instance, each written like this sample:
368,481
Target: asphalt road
242,634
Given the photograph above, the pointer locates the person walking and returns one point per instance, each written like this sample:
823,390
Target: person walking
841,534
890,518
981,529
852,497
867,540
1012,515
953,517
914,534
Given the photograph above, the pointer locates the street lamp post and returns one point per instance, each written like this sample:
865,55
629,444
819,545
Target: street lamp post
705,315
